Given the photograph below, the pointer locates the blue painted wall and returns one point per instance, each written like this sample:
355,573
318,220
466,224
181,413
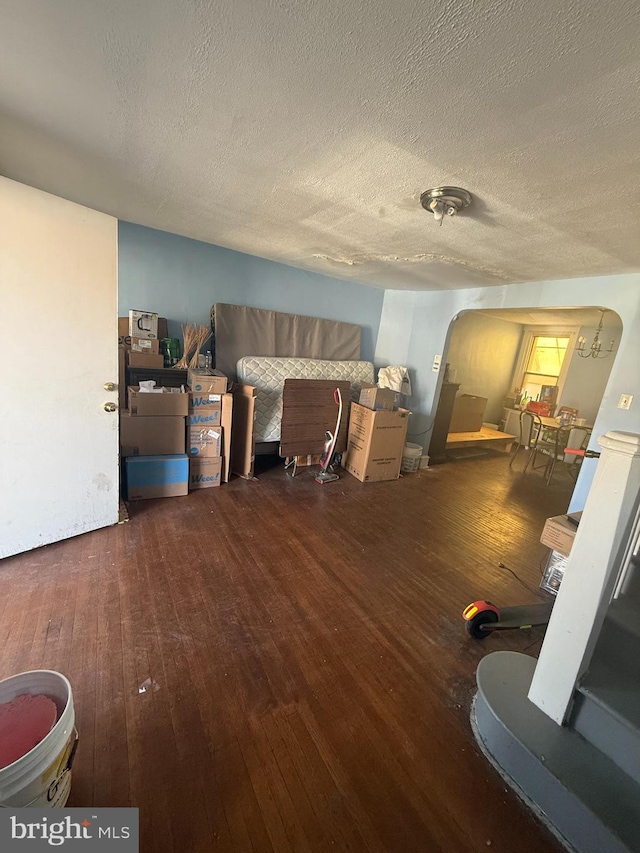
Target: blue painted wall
182,278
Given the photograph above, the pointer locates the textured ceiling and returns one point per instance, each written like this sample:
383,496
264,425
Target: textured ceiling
555,317
305,131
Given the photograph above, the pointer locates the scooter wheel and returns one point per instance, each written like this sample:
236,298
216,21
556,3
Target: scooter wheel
474,628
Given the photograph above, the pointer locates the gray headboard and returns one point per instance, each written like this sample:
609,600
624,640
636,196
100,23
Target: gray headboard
240,330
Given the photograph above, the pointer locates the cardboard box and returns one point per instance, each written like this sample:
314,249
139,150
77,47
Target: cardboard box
205,472
144,345
157,476
122,377
144,359
171,402
242,437
558,533
372,397
124,339
376,443
207,381
151,436
204,441
143,324
468,413
227,424
200,401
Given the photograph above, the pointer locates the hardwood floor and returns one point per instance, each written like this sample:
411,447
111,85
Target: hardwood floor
310,675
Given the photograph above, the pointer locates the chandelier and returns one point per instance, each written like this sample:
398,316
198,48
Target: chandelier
595,350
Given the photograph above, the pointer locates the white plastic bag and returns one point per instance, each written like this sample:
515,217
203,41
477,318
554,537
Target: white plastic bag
148,386
396,378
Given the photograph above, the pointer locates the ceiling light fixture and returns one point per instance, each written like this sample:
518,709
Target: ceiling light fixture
595,350
445,201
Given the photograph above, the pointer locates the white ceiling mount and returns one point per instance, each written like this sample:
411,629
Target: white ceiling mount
445,201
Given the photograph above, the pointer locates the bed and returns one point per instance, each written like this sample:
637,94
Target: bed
268,373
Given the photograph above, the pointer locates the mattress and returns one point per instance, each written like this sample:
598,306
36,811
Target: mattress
267,375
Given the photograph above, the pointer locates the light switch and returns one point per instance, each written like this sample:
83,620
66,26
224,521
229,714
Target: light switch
625,401
437,361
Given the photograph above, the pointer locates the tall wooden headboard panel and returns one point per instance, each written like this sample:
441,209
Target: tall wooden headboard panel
240,330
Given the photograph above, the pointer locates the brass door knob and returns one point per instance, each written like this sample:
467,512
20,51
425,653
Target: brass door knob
109,407
109,386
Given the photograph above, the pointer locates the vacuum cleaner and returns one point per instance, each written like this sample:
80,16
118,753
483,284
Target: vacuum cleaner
325,475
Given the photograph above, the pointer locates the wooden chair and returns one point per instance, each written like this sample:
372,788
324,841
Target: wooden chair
530,429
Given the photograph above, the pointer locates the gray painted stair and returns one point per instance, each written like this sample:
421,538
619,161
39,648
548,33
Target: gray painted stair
619,641
607,702
586,798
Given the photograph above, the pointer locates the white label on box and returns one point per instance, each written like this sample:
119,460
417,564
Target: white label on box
215,398
144,344
213,433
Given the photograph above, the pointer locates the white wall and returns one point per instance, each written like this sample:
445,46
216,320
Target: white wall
483,351
415,326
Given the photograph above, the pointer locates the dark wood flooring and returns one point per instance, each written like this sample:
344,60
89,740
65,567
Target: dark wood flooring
310,676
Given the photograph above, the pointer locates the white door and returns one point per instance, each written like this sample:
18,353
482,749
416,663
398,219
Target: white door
58,303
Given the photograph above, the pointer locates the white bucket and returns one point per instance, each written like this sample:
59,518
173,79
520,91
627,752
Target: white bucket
42,777
411,458
424,461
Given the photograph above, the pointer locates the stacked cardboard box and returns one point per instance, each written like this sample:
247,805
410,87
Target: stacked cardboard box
152,428
152,443
233,416
208,428
134,350
174,441
213,410
372,397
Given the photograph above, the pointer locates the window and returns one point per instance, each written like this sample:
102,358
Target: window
543,362
543,366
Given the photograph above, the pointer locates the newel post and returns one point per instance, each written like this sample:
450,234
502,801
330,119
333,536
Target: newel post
590,575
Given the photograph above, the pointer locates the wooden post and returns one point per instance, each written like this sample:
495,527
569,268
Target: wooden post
590,576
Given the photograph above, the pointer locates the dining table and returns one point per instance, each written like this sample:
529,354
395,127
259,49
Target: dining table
554,423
